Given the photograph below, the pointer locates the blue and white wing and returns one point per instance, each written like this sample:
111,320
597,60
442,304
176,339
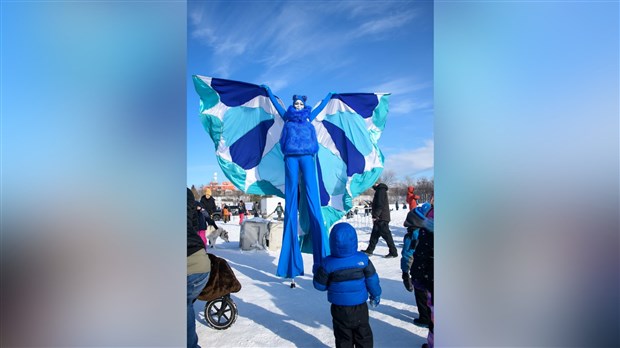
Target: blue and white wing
245,128
349,159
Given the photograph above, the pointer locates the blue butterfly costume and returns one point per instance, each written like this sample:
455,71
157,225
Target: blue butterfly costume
326,155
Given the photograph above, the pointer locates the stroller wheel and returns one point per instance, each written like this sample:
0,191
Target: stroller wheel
221,313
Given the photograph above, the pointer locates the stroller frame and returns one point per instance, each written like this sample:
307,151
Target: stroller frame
220,309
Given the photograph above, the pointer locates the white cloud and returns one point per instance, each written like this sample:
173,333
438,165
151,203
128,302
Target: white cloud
230,48
204,33
402,85
274,84
408,106
412,162
222,70
279,39
384,24
195,17
403,90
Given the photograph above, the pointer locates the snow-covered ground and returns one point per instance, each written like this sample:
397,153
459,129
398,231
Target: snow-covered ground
271,314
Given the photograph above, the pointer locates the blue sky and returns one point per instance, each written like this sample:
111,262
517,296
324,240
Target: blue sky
316,48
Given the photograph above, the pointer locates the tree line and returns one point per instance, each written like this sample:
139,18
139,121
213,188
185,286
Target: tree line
424,187
397,187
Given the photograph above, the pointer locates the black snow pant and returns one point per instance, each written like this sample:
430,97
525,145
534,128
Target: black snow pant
421,301
351,326
381,229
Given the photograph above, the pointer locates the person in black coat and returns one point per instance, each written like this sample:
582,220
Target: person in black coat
381,221
422,269
208,221
418,224
198,267
208,202
194,243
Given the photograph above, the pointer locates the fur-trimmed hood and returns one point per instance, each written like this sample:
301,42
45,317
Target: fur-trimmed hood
295,115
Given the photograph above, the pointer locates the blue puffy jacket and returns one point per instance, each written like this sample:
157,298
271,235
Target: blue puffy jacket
298,136
347,274
415,220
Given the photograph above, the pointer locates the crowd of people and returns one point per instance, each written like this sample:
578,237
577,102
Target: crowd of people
348,275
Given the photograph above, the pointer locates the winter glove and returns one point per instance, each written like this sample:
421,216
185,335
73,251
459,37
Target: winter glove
407,282
374,301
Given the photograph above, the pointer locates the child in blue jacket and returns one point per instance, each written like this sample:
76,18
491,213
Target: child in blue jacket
410,241
349,277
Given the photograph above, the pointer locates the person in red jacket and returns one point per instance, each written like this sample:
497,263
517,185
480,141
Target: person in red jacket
412,198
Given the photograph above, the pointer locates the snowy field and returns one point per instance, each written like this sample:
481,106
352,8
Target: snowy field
271,314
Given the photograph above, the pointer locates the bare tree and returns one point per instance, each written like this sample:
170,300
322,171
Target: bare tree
388,177
409,180
195,193
398,192
425,188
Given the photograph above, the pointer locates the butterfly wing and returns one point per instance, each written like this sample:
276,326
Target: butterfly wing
349,160
245,128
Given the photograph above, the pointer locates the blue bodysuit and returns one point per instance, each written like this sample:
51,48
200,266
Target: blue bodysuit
299,146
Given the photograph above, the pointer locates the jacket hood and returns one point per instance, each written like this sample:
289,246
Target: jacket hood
343,240
381,186
417,218
190,195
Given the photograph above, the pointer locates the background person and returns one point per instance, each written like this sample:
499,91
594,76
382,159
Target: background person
381,221
198,267
410,242
422,269
208,202
279,211
412,199
242,211
225,213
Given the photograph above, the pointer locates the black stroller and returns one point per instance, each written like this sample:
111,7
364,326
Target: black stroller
220,309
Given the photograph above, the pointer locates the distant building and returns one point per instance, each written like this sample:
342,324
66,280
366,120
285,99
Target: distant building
224,187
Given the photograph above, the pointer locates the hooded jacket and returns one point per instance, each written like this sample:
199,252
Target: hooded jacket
416,219
194,242
412,198
422,269
347,274
298,135
380,206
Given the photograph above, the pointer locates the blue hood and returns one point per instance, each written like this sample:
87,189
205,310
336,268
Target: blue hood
416,218
343,240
